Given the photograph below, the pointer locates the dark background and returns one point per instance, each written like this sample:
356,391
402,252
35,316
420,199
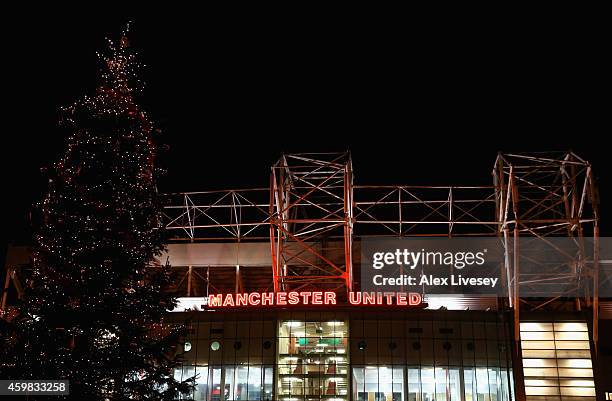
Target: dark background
431,106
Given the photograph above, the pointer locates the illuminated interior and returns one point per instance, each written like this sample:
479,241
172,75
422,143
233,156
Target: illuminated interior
557,361
231,360
397,383
313,360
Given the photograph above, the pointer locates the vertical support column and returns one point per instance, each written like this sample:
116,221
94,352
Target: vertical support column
509,277
595,270
516,286
189,275
516,256
348,225
502,204
517,360
595,287
237,286
274,250
568,179
450,212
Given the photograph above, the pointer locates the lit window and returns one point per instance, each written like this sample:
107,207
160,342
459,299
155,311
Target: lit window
561,367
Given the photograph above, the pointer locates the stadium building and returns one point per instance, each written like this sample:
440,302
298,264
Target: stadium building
271,282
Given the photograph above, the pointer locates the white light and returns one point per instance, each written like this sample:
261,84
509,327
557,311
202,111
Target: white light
190,303
575,363
293,323
448,302
335,323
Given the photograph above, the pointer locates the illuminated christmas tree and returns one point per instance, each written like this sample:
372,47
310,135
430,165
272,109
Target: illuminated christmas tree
95,308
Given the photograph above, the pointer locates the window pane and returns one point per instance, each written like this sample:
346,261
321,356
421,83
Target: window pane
379,383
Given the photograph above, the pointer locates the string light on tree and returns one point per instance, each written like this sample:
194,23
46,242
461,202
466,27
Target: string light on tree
96,301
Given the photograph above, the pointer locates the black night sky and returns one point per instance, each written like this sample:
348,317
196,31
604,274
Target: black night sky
428,108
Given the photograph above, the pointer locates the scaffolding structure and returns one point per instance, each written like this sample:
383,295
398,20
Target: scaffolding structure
315,214
543,197
311,202
312,218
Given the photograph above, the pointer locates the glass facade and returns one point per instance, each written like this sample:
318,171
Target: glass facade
313,358
231,359
431,357
338,356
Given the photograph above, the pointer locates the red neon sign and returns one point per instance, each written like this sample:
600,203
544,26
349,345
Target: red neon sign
312,298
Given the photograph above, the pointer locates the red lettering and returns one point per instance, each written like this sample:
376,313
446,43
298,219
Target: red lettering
355,298
254,298
313,298
267,298
294,298
305,296
242,299
415,298
229,300
215,300
369,298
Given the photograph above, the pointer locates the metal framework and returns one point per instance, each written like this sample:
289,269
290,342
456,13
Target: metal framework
312,215
239,215
541,197
311,201
324,242
314,212
218,215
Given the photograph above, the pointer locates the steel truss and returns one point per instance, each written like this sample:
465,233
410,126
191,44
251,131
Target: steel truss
540,197
395,211
245,216
218,215
311,237
311,201
312,214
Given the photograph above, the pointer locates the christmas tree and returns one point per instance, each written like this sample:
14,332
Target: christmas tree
95,308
